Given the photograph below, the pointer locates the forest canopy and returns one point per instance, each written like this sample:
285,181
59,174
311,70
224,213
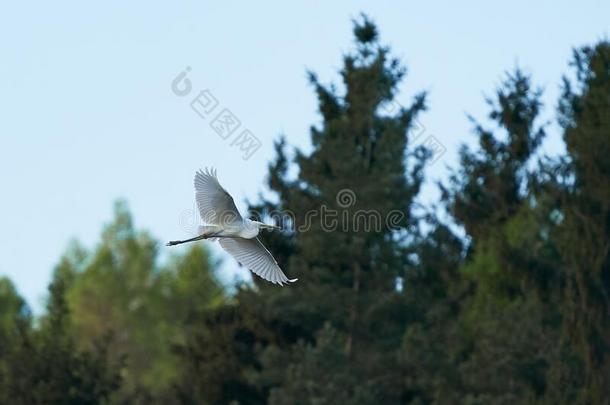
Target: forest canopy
499,294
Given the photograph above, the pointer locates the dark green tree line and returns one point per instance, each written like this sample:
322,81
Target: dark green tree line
498,295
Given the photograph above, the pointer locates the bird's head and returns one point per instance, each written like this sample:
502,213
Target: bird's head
261,225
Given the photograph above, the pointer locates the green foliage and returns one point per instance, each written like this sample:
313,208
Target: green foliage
346,305
14,316
113,319
303,384
45,366
501,296
584,234
120,289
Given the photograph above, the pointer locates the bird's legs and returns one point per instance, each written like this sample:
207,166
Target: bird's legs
178,242
200,237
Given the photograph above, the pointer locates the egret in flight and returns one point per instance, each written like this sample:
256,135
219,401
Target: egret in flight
236,235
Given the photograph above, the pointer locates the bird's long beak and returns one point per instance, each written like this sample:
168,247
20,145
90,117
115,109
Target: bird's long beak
272,227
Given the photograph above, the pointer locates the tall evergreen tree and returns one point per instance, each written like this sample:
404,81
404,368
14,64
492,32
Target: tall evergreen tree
584,231
121,289
504,327
346,305
390,307
15,317
46,366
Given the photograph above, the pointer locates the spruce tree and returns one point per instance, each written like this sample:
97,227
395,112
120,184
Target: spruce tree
346,307
583,233
505,326
46,366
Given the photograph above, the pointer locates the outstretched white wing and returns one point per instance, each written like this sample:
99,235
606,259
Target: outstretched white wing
216,206
252,254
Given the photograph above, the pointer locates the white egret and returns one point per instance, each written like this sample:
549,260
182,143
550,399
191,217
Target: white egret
237,235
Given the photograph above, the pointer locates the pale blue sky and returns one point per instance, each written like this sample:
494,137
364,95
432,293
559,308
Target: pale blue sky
87,114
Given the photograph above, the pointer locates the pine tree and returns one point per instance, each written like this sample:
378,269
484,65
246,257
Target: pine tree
346,303
505,326
14,318
46,366
583,233
121,289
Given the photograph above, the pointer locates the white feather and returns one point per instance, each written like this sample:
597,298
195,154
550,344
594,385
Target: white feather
255,257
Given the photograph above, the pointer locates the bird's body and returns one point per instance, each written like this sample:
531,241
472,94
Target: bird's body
246,229
236,235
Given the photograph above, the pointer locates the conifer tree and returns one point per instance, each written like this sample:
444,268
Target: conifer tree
346,303
46,366
583,234
504,327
